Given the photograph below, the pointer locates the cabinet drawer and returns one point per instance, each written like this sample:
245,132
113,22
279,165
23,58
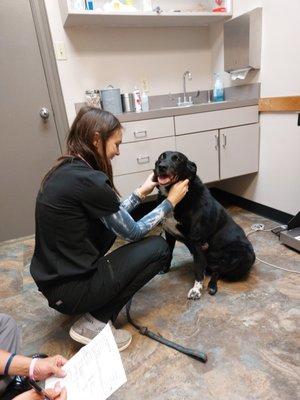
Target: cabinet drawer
126,184
148,129
215,120
140,156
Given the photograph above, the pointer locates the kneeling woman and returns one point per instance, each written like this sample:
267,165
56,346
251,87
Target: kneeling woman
78,215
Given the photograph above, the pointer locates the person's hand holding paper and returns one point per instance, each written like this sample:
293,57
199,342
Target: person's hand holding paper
95,372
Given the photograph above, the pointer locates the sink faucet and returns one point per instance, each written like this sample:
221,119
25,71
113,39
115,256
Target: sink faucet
185,102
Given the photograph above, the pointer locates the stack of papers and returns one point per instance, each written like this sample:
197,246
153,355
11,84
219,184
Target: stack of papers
95,372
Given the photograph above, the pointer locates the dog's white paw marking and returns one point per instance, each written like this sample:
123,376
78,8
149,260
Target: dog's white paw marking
195,292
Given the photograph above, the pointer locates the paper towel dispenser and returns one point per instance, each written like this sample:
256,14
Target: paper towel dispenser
242,41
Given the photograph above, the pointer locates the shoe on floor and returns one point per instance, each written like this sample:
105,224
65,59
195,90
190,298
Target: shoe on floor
17,386
87,327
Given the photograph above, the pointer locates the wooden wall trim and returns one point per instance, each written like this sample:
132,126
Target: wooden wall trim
279,104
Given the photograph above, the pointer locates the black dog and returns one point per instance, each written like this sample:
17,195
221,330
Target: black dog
219,246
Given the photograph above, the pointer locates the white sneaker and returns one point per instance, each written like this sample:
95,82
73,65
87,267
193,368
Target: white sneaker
87,327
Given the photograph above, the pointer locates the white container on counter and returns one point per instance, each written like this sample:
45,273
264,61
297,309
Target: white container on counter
147,5
78,5
92,98
145,101
137,100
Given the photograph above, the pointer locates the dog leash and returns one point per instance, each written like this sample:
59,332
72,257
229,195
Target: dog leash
143,330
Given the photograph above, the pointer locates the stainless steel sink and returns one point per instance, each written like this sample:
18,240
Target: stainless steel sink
171,107
192,105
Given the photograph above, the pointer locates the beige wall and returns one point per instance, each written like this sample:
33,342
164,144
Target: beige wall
277,183
122,57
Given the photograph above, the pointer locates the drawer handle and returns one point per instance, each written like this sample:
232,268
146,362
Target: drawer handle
143,160
224,140
217,142
140,134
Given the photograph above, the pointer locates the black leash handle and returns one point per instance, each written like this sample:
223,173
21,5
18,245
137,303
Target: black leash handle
143,330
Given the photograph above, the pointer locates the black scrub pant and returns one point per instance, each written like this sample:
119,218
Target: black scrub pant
120,274
10,340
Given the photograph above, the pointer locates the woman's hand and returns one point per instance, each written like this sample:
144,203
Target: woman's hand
56,394
178,191
46,367
148,186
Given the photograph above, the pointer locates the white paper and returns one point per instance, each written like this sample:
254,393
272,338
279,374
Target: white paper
95,372
239,74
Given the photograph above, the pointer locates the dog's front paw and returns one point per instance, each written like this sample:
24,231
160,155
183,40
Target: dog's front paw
165,270
212,288
195,292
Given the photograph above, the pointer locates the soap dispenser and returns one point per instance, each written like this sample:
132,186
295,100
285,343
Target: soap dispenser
218,92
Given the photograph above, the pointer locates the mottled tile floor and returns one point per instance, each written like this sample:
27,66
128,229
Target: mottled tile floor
250,330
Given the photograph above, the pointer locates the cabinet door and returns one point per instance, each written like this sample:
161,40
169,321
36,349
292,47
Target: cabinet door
203,149
239,150
140,156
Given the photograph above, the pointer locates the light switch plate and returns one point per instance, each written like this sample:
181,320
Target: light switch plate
60,51
145,85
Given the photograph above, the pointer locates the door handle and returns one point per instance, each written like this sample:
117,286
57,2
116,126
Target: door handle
44,113
217,142
140,134
224,140
143,160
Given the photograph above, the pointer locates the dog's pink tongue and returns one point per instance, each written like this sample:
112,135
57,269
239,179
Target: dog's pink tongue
163,180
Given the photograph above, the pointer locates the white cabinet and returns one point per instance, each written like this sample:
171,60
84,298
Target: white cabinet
239,150
222,143
203,149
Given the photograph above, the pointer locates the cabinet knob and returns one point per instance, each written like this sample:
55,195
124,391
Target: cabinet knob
140,134
224,140
217,142
143,160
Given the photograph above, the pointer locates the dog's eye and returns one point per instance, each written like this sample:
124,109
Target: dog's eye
175,158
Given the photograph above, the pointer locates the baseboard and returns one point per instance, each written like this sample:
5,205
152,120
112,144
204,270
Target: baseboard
268,212
226,198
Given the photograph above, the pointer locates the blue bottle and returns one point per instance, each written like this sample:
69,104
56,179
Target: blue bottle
218,92
89,4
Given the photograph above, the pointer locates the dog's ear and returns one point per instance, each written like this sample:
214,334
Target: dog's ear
155,177
192,168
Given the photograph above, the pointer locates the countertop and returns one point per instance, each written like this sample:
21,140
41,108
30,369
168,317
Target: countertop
197,108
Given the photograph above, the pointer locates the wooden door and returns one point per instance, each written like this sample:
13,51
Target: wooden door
28,144
203,149
239,150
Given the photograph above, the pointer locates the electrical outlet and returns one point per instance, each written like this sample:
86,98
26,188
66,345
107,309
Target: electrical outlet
60,51
145,85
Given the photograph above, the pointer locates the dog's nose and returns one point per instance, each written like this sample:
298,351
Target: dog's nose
162,168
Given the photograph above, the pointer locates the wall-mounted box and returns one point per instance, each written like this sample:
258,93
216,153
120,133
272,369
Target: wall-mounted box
242,41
